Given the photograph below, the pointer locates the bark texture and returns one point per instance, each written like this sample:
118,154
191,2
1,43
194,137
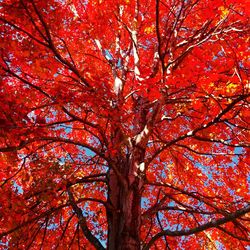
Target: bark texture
124,212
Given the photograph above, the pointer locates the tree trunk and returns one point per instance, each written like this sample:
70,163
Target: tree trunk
124,215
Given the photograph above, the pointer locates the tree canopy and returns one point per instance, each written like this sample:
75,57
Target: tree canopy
124,124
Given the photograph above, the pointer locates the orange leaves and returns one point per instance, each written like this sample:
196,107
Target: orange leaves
150,29
224,12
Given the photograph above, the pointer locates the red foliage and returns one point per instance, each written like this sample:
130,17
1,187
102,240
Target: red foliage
147,101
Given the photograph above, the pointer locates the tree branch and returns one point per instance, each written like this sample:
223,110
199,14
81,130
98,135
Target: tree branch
212,224
83,223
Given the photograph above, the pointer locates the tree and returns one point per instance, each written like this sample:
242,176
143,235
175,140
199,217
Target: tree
124,124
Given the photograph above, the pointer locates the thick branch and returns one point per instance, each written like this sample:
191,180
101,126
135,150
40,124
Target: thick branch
83,223
212,224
